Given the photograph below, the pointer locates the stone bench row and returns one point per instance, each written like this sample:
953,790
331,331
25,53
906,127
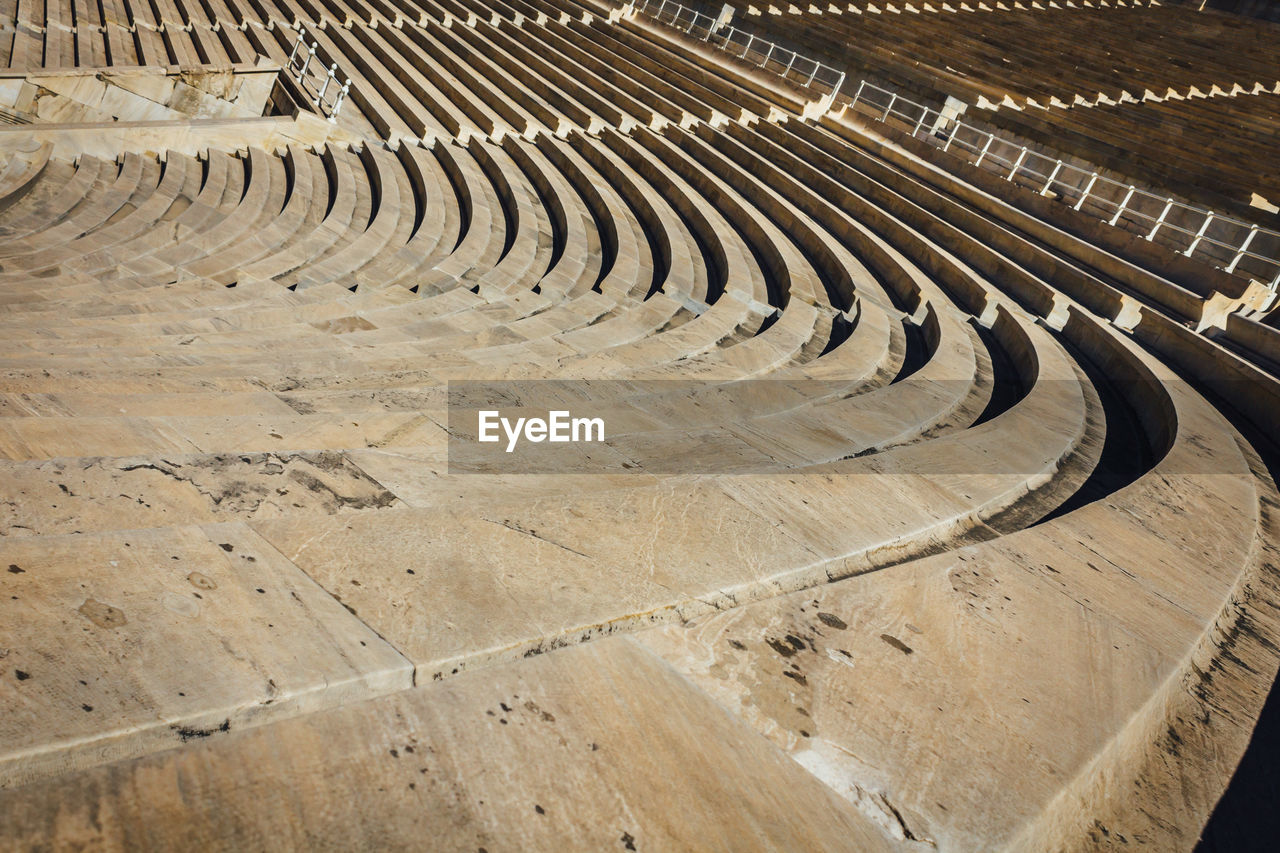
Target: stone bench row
76,33
998,56
1215,149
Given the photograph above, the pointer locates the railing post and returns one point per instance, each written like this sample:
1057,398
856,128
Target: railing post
1244,247
1204,229
924,113
816,66
337,104
889,109
952,137
789,64
1123,205
768,55
1053,176
1093,179
1168,205
985,148
747,47
311,53
857,94
327,80
1017,164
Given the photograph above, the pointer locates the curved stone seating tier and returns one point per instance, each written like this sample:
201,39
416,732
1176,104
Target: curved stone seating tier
1217,149
956,510
1103,51
1169,95
1190,296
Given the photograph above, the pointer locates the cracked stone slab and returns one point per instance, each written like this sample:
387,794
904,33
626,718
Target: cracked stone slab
466,582
138,405
457,585
420,478
117,644
60,496
49,438
916,691
598,747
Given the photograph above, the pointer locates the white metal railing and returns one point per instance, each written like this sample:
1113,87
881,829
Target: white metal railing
798,69
1237,247
319,84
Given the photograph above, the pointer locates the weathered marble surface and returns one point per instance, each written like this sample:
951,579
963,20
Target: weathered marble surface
119,643
64,496
600,747
1021,659
248,604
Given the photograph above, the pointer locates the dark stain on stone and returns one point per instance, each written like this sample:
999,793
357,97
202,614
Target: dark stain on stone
22,676
832,621
187,733
539,809
781,648
395,753
897,644
797,677
334,464
226,546
201,581
14,569
102,615
532,707
87,707
628,841
739,646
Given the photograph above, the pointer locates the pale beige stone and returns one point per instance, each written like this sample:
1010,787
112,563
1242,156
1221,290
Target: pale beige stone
128,642
601,747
